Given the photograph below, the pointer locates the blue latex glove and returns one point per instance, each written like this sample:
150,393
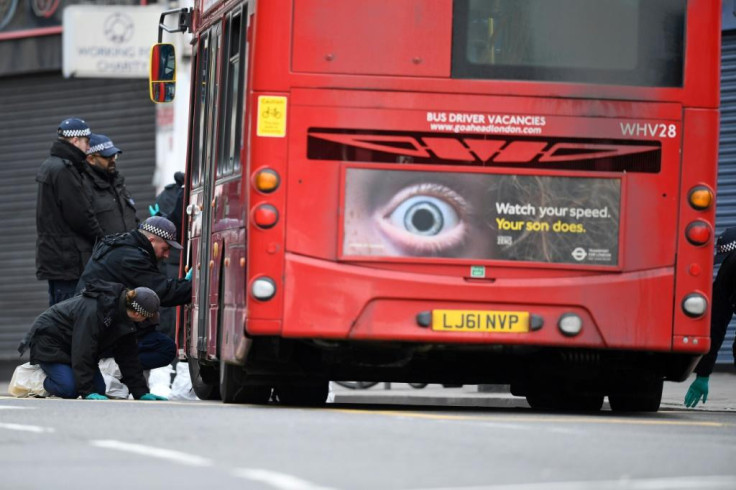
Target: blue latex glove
151,396
698,389
95,396
188,277
154,210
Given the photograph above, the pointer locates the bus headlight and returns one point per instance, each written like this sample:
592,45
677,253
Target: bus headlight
694,305
263,288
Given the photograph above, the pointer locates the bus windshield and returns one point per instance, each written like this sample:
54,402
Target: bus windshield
622,42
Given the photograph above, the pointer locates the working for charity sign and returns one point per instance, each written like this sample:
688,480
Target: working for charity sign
530,218
109,41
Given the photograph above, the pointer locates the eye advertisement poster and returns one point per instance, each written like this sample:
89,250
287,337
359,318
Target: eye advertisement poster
567,220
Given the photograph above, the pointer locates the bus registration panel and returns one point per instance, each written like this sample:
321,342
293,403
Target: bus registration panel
480,321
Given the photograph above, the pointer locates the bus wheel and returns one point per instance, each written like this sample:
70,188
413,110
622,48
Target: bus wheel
637,395
236,388
309,393
204,380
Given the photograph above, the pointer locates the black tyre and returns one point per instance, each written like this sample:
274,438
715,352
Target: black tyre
308,393
357,385
204,380
642,395
236,388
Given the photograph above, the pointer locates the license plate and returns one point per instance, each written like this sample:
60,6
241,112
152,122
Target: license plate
480,321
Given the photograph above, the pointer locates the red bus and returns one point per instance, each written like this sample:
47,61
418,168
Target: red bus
451,191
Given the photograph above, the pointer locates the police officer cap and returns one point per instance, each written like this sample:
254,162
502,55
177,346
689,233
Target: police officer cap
73,127
146,302
162,228
99,143
726,243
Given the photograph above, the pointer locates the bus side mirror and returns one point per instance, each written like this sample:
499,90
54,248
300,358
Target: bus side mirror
162,74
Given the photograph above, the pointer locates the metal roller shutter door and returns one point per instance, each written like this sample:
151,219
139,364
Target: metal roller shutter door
31,109
726,196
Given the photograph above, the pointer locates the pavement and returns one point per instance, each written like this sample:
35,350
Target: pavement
721,397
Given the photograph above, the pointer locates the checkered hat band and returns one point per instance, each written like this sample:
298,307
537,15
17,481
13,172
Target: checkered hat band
100,147
157,231
75,133
728,247
138,308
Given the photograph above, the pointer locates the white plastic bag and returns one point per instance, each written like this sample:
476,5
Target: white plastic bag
114,388
159,381
28,381
181,388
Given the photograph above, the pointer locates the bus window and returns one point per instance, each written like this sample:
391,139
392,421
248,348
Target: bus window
232,114
635,42
206,96
212,90
200,96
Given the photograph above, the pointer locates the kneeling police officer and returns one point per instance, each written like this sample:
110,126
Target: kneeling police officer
69,339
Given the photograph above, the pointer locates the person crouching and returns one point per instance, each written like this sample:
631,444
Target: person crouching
69,339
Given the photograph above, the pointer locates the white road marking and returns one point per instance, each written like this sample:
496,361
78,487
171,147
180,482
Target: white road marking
561,430
155,452
673,483
6,407
27,428
502,425
282,481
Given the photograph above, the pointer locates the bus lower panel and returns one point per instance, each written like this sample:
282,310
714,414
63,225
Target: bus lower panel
518,366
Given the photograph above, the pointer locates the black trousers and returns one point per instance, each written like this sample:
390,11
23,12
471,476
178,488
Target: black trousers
61,290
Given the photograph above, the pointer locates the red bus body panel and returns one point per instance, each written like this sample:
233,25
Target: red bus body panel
365,83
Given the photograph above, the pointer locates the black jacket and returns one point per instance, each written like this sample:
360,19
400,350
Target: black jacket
65,225
723,305
112,204
77,331
168,197
170,202
129,259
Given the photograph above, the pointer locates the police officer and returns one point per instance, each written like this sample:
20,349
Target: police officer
169,205
724,303
132,259
69,339
65,224
112,204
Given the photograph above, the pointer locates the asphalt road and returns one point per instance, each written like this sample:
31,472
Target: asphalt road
53,443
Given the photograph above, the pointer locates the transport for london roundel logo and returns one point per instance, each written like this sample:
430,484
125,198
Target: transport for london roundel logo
118,28
579,254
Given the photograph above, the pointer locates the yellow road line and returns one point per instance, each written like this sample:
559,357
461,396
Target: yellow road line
532,418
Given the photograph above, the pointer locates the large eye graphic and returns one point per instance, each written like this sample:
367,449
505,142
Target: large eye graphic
424,215
425,219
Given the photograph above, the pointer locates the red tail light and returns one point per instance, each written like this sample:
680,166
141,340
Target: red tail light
265,216
698,233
